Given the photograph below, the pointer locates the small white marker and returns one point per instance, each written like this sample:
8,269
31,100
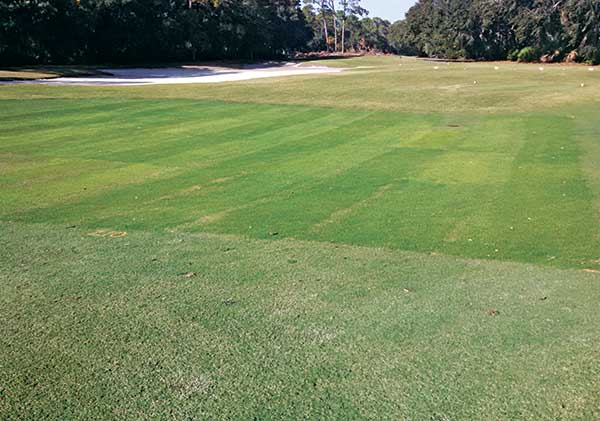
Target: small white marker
436,67
583,85
496,67
541,69
474,82
591,69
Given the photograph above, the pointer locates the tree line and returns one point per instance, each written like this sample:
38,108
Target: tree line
344,25
525,30
68,31
129,31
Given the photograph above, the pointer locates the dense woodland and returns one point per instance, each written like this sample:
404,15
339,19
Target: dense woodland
100,31
525,30
130,31
96,31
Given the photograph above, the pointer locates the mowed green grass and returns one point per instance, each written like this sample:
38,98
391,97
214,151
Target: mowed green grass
508,187
396,241
100,327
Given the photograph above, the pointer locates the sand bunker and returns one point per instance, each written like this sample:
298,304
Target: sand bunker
188,74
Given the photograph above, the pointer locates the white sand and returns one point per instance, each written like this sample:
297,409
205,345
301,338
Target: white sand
128,77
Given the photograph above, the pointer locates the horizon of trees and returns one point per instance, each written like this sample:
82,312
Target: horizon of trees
130,31
525,30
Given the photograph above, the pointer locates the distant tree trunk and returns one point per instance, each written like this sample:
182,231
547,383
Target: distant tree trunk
344,35
325,32
335,27
335,35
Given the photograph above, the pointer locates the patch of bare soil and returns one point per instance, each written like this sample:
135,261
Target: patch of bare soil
108,233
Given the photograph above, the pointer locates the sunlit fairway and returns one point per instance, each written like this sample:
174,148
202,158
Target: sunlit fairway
406,239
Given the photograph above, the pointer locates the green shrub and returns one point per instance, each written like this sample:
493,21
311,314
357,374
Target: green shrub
513,55
590,55
528,55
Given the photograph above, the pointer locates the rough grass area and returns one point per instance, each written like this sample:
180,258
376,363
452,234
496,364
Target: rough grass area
380,83
204,326
396,241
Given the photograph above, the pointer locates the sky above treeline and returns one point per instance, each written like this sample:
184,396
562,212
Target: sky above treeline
391,10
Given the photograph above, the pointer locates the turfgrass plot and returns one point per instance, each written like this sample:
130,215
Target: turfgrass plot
196,325
382,161
508,187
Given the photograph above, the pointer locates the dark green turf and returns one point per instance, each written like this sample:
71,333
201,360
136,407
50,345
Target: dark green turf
508,187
